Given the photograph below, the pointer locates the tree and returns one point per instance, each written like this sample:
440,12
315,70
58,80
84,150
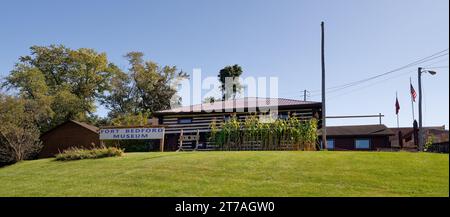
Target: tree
229,79
98,120
211,99
32,85
65,82
130,120
121,97
19,135
146,88
155,86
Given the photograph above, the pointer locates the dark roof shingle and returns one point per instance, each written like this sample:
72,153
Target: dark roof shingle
409,130
84,125
358,130
87,126
252,102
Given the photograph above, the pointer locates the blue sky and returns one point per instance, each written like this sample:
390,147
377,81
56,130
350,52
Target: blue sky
267,38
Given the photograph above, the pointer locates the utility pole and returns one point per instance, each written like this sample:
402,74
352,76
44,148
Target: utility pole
324,125
419,76
304,95
421,133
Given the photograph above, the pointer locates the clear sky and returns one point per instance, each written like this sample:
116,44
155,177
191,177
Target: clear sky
267,38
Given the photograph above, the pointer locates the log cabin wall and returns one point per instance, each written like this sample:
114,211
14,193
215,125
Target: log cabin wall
174,123
191,122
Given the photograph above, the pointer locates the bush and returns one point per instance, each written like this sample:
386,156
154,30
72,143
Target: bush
79,154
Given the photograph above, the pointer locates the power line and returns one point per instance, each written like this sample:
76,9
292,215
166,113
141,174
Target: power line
337,88
438,67
372,84
439,61
390,78
348,86
351,84
417,62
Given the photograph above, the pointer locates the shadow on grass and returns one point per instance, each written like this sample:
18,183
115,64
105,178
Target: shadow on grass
166,155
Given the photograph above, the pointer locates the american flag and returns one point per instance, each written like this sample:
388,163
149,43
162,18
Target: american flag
413,93
397,106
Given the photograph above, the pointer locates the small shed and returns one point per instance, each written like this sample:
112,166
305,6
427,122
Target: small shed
67,135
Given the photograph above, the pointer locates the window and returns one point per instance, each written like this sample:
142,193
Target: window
283,116
330,143
362,143
184,120
226,117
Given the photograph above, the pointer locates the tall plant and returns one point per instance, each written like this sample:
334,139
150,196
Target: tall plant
291,133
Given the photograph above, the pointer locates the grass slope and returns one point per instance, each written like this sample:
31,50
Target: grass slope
234,174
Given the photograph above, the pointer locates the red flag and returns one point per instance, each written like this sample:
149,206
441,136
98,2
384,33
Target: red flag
397,106
413,93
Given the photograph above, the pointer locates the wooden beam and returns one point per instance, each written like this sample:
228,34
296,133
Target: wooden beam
180,148
161,141
356,116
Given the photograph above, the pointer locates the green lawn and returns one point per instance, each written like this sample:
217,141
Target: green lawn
234,174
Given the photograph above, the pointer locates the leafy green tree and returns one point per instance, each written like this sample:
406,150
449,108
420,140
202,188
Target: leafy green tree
146,88
211,99
98,120
19,135
231,75
61,84
65,83
121,98
154,85
32,86
130,120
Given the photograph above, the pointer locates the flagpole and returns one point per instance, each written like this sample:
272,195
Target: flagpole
396,99
412,99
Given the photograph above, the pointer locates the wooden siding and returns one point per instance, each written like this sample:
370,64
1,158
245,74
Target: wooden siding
343,143
66,136
202,122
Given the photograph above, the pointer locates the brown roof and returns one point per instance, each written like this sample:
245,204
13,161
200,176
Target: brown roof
358,130
408,130
87,126
84,125
243,103
437,131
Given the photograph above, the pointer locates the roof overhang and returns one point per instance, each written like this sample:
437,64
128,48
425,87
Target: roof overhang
240,110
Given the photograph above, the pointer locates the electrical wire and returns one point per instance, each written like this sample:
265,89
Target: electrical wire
394,77
373,84
355,83
363,87
338,88
415,63
438,67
